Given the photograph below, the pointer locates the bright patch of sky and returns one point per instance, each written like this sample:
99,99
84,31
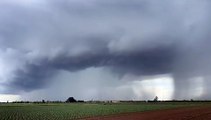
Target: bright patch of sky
9,98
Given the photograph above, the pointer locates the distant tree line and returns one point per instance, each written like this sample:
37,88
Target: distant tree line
73,100
69,100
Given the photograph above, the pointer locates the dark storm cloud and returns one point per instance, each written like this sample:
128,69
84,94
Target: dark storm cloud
157,60
33,77
140,37
150,62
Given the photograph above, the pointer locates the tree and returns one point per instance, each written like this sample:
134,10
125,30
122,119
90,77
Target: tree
71,100
155,99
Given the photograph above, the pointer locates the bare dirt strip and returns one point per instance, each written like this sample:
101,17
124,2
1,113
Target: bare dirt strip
191,113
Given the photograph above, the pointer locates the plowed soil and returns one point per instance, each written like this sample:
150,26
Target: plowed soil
191,113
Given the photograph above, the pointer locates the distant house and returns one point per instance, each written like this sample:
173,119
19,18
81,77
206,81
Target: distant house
71,100
115,101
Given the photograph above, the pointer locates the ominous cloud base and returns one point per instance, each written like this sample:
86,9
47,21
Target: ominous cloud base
39,39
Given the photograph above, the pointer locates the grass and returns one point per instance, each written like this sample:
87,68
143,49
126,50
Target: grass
74,111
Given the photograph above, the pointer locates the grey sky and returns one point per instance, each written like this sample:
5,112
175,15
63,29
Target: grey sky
40,39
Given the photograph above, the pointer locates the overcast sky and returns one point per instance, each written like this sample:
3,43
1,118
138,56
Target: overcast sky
105,49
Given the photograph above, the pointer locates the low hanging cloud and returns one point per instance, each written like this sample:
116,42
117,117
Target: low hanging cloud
38,39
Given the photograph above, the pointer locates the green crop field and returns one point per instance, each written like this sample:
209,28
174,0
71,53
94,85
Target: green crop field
64,111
